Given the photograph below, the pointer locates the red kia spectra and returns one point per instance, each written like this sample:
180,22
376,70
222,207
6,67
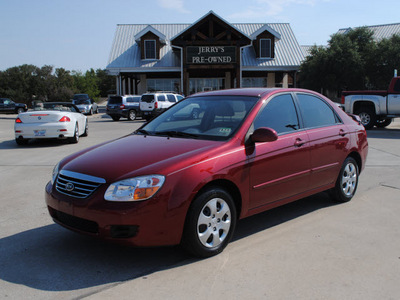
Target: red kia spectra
188,175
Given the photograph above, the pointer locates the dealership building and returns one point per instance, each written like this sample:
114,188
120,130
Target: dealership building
210,54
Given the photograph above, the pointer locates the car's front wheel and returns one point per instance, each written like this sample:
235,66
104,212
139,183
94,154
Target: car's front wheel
210,223
347,181
382,123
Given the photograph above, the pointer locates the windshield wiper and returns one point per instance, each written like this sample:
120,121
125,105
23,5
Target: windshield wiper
143,131
174,133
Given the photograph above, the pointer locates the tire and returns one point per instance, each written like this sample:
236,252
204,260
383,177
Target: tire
75,138
86,133
210,223
91,112
383,123
20,110
132,115
347,181
367,116
22,142
115,118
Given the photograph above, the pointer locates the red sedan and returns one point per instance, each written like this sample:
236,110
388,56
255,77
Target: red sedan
188,175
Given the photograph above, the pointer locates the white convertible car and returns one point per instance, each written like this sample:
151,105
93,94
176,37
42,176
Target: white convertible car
61,120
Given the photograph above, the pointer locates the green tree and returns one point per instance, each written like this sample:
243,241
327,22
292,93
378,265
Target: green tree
346,63
106,82
384,59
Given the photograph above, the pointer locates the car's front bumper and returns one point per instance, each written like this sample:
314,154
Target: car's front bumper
145,223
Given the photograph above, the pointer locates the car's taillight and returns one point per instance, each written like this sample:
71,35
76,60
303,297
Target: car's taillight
65,119
18,120
121,106
342,99
155,104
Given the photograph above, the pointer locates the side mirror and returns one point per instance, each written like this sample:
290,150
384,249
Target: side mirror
264,134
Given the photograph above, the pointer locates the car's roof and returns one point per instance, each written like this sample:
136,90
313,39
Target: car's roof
252,92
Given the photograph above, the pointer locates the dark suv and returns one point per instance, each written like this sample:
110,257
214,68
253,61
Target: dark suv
126,106
10,107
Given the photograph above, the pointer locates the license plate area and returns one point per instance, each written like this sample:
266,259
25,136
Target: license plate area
40,132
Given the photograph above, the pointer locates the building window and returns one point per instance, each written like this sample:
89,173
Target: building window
197,85
254,82
150,49
167,85
265,48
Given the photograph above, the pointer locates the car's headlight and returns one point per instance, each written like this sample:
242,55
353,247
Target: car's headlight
134,189
55,173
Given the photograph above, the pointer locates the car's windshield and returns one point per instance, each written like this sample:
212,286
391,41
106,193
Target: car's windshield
80,102
203,117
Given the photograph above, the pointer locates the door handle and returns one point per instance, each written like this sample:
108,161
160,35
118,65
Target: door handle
299,142
342,132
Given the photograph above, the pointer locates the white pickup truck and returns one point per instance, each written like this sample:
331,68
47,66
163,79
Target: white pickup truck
375,108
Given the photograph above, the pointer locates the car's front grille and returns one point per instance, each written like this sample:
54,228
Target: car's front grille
74,222
77,185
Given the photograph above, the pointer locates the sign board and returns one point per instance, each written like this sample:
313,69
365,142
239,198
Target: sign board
210,55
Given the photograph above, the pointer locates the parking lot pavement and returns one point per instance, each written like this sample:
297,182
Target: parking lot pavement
310,249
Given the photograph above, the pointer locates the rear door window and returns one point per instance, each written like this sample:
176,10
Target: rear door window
171,98
161,97
316,112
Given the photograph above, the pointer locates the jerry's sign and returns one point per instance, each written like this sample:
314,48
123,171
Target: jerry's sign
210,55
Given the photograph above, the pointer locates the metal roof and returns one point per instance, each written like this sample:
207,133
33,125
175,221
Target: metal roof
125,52
380,31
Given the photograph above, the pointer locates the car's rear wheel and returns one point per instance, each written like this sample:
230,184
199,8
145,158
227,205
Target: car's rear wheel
347,181
210,223
21,141
75,138
367,116
132,115
86,132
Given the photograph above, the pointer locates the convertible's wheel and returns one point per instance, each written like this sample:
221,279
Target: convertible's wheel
210,223
86,133
21,142
132,115
75,138
347,181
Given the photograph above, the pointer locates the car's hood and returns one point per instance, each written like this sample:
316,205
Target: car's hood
135,155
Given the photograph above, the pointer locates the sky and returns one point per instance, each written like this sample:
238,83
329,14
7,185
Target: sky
78,34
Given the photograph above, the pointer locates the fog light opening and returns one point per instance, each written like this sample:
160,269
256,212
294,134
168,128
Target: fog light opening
123,231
